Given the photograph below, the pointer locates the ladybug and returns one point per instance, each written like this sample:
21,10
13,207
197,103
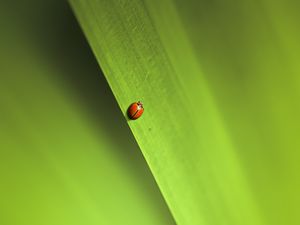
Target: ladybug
135,110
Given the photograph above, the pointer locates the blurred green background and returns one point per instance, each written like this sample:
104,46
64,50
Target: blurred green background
67,155
249,52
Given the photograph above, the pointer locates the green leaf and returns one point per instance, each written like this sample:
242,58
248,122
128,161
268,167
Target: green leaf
220,85
66,155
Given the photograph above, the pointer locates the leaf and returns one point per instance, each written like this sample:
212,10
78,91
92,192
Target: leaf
220,89
66,155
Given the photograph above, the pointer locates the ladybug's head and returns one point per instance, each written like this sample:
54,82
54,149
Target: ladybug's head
140,104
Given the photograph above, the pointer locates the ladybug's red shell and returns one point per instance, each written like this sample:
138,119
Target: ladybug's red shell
135,110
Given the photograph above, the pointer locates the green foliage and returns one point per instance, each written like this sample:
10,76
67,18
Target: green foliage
220,85
67,156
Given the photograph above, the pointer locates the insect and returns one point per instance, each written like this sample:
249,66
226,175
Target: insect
135,110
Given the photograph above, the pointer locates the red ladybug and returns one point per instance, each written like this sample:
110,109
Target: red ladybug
135,110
